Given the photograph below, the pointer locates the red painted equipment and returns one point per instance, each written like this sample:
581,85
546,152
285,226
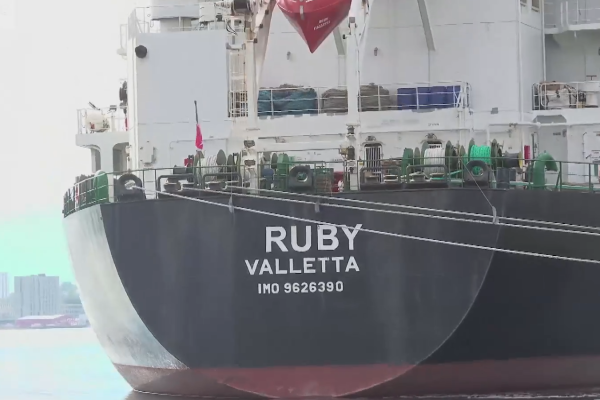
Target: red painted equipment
338,180
315,19
527,152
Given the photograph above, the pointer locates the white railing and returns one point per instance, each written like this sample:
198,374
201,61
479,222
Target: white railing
565,13
123,36
204,15
560,95
91,120
238,97
298,100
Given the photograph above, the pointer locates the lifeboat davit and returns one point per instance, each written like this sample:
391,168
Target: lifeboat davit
315,19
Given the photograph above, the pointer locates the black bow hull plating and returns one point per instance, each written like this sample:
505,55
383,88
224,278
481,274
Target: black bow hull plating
193,299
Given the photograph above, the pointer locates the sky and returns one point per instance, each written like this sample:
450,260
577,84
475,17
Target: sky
55,57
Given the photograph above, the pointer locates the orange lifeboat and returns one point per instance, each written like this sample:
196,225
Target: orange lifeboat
315,19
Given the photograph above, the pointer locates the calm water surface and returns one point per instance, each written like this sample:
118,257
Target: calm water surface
69,364
64,364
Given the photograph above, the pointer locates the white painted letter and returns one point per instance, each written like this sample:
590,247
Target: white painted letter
292,270
322,236
323,261
277,270
306,246
308,266
277,239
352,265
266,267
251,268
351,235
337,262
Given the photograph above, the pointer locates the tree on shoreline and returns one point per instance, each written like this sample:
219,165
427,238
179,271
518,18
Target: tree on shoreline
69,293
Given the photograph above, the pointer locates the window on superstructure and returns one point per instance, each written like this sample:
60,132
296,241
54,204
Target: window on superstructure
535,5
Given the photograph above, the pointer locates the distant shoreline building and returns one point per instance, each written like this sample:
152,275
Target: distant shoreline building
7,309
36,295
72,310
4,285
47,321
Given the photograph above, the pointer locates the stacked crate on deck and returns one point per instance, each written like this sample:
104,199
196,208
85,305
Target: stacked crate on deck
323,180
428,97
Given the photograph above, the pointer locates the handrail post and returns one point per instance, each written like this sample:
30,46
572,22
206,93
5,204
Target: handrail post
590,178
530,177
319,96
155,180
111,187
560,175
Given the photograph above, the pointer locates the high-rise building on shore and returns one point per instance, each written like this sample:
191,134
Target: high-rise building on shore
37,295
4,285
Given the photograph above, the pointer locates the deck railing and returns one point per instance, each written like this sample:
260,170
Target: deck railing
96,120
560,95
301,100
202,13
328,178
564,13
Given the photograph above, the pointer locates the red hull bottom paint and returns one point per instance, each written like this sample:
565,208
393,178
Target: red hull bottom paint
480,377
264,382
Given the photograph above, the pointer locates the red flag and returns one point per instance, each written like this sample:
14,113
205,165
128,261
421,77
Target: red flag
199,141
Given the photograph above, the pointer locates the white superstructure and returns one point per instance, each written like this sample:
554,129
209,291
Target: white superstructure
523,72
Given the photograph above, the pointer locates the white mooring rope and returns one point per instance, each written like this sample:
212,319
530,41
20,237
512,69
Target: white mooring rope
405,213
417,208
232,208
434,155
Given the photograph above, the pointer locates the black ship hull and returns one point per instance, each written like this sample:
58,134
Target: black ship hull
194,299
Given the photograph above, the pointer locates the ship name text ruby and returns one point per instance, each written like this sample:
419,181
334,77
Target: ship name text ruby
326,240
